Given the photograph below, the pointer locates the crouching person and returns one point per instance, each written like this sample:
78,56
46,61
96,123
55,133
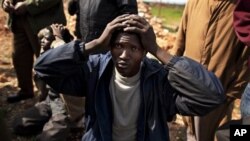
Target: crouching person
128,96
55,115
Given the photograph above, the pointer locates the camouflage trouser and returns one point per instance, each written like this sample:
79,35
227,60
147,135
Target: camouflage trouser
49,118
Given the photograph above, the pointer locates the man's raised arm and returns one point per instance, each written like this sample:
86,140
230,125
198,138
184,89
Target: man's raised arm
199,91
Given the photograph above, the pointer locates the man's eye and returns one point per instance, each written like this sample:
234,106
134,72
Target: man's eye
134,49
118,46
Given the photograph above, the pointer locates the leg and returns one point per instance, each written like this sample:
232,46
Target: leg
25,45
42,87
23,60
75,108
204,127
58,126
32,120
223,132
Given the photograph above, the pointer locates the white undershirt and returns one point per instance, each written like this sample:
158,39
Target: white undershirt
125,96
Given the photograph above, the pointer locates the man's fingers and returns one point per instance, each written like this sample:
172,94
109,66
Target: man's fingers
122,16
116,27
119,19
133,29
134,23
138,19
120,25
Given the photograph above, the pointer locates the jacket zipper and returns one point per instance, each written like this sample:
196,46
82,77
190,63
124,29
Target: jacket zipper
144,98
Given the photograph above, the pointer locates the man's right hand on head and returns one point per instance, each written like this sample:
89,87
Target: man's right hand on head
117,23
102,43
142,27
8,6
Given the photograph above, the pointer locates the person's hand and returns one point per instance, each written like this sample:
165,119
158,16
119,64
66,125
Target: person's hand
58,30
20,8
102,43
8,6
117,23
140,26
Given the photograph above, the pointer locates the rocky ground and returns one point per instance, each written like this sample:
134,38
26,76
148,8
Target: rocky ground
8,83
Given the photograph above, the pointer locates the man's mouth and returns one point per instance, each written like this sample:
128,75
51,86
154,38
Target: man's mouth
122,65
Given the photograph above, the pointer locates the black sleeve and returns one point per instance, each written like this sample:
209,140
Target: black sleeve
198,90
63,68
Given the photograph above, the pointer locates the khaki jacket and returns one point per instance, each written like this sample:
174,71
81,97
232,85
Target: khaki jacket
206,35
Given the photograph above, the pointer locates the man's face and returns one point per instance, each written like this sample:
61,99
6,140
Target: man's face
46,39
127,54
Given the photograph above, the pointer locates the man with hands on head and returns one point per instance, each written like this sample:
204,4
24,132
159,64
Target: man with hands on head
128,96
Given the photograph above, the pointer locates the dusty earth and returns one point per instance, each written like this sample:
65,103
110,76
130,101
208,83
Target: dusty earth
8,86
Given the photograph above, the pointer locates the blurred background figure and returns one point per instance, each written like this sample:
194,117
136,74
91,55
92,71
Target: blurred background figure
95,15
55,115
242,29
26,18
206,35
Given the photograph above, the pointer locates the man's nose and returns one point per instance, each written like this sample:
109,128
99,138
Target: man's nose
42,41
124,54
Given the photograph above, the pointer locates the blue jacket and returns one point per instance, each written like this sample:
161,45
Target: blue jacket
183,86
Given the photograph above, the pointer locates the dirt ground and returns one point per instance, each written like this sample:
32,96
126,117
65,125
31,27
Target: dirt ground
8,86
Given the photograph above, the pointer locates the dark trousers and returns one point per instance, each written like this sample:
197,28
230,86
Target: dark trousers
25,46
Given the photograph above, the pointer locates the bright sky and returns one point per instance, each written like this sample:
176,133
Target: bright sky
169,1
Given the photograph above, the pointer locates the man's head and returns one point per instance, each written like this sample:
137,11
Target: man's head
54,35
46,37
127,53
